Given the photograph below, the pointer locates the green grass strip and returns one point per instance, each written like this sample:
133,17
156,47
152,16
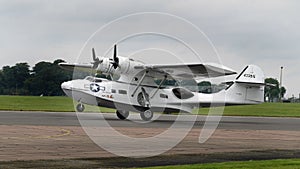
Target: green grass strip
264,164
263,110
65,104
45,103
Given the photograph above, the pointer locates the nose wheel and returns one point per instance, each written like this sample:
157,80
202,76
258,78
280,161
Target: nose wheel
122,114
80,107
146,115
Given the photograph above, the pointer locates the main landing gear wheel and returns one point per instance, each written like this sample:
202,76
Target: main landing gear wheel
80,107
146,115
122,114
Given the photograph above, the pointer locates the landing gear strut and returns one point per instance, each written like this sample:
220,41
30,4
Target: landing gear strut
80,107
147,115
122,114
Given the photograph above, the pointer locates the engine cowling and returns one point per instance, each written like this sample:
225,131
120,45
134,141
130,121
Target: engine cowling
125,66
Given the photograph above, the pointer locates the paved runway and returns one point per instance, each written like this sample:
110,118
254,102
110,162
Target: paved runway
70,119
56,135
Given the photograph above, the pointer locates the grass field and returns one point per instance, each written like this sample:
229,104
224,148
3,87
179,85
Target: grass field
94,163
264,110
65,104
45,103
264,164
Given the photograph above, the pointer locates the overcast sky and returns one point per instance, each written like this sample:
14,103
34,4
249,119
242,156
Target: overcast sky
265,33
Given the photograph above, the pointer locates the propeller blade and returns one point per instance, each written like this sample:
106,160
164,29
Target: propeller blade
115,52
115,58
94,54
96,60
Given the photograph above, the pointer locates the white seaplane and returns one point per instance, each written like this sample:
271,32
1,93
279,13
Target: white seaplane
139,87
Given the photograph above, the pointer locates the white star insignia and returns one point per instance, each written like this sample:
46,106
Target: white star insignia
94,87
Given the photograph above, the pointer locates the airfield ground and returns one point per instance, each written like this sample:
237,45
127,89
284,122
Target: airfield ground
55,135
57,142
56,139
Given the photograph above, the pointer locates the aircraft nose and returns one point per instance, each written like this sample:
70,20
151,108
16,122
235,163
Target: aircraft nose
66,85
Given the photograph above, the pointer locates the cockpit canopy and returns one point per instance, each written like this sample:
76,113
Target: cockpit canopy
95,79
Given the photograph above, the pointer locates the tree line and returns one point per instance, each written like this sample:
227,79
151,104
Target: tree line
44,79
273,90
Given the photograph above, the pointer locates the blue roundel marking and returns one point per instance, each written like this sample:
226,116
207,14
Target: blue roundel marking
94,87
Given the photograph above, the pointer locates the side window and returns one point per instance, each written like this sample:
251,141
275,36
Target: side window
182,93
122,92
113,90
163,96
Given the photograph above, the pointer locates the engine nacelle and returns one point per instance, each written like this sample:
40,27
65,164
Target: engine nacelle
125,66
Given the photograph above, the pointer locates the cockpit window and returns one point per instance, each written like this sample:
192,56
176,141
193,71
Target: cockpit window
89,78
93,79
98,80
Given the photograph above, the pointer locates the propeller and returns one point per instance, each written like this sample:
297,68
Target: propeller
115,61
96,60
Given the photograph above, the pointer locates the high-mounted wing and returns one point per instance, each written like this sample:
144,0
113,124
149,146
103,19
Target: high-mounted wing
77,67
192,70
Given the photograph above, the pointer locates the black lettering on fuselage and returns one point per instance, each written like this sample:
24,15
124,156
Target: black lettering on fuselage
249,75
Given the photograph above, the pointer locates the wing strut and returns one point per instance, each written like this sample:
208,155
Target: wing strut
159,86
139,84
146,98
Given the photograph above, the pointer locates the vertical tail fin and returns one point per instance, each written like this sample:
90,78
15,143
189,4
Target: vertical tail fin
251,74
248,87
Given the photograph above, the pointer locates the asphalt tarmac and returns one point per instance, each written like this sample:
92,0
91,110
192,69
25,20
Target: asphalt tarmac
161,121
59,136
